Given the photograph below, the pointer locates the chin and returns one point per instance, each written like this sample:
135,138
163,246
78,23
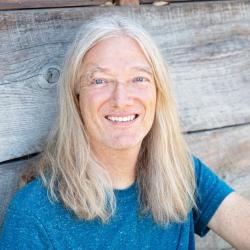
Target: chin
125,144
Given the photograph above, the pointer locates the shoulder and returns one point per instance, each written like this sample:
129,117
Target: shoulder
32,199
203,173
24,224
211,190
207,180
198,165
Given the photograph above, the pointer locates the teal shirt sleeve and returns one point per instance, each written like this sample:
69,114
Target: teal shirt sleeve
22,230
210,192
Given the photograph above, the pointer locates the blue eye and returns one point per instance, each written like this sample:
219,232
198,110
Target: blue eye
98,81
139,79
102,81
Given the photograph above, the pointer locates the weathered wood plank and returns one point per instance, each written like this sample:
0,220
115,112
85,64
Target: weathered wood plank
205,44
226,151
212,241
127,2
32,4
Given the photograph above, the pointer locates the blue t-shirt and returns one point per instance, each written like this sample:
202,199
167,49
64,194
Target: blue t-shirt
33,222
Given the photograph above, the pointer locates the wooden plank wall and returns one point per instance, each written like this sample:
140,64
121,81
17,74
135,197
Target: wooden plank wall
206,45
31,4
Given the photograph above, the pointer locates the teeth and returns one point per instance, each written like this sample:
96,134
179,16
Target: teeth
121,119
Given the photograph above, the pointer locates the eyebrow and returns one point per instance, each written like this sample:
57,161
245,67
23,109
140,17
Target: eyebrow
144,68
98,68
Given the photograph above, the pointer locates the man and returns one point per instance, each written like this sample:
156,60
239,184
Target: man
117,168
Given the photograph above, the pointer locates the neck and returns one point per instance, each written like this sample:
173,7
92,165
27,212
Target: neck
119,163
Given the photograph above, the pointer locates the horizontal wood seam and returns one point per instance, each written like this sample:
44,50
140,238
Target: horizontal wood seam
217,128
25,157
30,156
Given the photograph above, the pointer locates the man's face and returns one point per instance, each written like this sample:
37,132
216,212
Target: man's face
117,94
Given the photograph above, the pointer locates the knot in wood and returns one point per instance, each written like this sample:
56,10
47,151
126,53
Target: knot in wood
52,75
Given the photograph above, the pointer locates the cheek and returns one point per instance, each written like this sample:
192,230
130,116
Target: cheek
153,97
86,108
90,104
149,99
150,106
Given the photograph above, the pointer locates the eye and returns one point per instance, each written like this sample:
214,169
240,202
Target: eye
98,81
102,81
140,79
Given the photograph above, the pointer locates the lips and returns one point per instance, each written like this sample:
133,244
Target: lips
127,118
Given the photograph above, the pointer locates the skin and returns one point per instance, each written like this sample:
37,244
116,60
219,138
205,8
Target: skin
117,81
231,221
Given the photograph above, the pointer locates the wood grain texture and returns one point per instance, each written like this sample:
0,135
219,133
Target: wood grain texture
32,4
212,242
205,44
127,2
226,151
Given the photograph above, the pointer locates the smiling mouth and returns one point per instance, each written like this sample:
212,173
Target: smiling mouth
117,119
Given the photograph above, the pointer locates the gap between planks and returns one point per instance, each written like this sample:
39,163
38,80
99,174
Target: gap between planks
217,128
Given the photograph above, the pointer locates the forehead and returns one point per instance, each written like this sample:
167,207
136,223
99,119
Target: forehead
118,51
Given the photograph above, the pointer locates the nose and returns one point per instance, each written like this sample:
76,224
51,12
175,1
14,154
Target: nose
121,96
